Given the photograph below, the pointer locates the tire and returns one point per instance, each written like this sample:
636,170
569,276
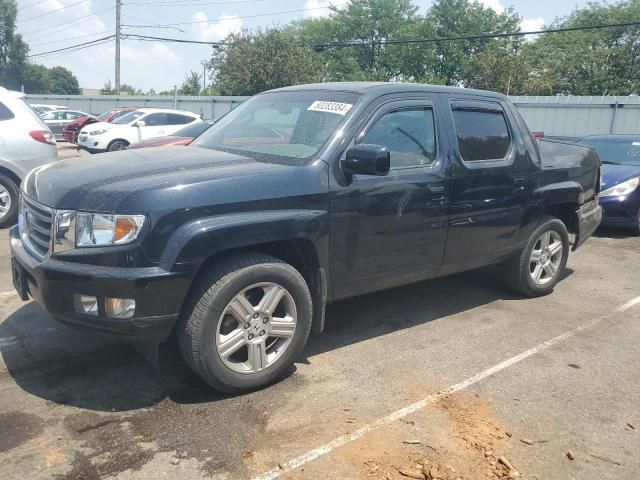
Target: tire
117,145
9,196
520,272
221,340
636,228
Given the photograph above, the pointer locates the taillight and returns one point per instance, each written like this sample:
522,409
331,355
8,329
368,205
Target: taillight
43,136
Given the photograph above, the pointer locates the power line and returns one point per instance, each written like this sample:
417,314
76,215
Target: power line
32,4
242,17
69,38
477,37
70,23
70,47
395,42
53,11
185,3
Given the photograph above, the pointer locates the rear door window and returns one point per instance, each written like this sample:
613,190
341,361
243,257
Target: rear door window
482,131
5,113
177,119
155,120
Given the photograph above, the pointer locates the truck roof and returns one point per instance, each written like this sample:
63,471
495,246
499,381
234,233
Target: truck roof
382,88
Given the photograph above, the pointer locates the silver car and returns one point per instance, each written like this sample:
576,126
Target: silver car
25,143
56,120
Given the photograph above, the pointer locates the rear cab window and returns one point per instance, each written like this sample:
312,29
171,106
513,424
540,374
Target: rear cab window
5,113
482,131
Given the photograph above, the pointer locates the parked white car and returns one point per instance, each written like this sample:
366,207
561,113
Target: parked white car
56,120
44,108
25,143
133,127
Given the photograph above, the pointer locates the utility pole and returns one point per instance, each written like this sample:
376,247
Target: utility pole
118,8
204,75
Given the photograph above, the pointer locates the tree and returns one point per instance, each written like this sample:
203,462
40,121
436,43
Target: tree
454,18
354,41
589,62
36,79
107,89
13,50
252,62
62,82
191,84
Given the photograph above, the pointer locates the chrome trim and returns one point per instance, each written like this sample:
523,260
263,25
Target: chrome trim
35,225
64,227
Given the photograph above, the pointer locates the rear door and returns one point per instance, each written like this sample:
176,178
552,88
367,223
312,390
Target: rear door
155,125
391,230
489,185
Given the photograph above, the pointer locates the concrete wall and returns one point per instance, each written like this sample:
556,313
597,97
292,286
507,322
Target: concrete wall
566,116
208,107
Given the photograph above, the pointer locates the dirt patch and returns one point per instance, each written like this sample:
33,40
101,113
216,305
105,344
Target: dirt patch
18,427
458,439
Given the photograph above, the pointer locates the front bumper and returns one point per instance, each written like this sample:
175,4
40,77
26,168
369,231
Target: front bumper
621,211
53,283
92,143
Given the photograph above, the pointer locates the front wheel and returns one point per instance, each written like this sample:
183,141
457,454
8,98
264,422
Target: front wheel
117,145
9,193
539,266
246,322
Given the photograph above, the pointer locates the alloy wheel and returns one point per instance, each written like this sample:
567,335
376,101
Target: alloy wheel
256,327
5,202
546,257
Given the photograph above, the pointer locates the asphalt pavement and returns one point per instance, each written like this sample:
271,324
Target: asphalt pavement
451,378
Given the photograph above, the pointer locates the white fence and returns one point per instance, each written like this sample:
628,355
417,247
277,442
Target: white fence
565,116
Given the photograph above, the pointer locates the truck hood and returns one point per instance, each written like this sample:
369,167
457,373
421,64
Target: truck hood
614,174
101,182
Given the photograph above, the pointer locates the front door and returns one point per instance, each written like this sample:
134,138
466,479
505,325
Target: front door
391,230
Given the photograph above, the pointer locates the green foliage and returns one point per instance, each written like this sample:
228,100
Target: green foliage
256,61
590,62
191,84
35,78
13,50
62,82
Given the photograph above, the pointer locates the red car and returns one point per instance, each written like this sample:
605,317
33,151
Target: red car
184,136
70,132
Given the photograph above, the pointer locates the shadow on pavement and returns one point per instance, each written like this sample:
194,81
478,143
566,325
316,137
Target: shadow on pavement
606,232
83,370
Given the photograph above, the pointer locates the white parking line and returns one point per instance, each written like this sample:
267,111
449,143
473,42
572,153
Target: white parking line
419,405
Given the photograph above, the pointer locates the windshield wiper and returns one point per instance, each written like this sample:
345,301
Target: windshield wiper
607,162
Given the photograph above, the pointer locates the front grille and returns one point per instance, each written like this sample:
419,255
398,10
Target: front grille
36,226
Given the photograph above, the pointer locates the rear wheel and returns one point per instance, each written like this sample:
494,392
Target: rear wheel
539,266
117,145
9,194
246,322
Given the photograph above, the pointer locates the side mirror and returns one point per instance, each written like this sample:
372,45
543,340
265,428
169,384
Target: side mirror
140,123
367,159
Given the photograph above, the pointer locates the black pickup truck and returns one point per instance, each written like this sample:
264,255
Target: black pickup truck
299,197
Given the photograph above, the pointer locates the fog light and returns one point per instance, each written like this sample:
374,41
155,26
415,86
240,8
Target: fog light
119,307
86,304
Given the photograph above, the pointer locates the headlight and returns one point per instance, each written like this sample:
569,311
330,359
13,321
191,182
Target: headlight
97,132
622,189
100,230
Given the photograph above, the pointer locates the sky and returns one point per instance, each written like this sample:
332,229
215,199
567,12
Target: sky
52,24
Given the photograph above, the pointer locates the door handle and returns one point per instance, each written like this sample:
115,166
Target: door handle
519,185
437,193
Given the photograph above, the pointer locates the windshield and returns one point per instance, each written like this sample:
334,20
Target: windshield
617,150
193,130
103,116
280,125
127,118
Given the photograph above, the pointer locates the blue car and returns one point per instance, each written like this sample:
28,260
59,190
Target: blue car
620,188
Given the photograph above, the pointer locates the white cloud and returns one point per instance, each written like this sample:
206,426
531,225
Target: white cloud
319,8
213,32
532,24
493,4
